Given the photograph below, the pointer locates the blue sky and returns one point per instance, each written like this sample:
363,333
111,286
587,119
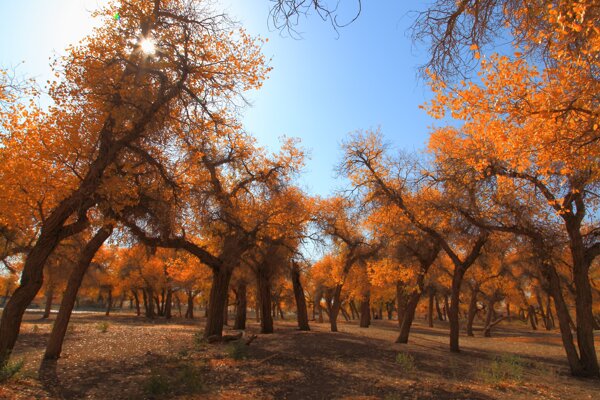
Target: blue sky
321,88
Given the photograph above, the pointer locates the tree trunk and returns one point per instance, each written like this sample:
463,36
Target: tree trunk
264,291
344,313
150,303
437,308
136,298
226,312
457,279
487,332
446,307
217,301
240,306
355,313
59,329
401,301
532,317
189,312
365,318
178,303
168,305
109,302
430,309
409,316
472,311
335,307
508,316
49,296
301,312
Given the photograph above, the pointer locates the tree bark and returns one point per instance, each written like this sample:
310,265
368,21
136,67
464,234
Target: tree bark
437,308
109,301
49,296
240,306
335,307
365,318
487,332
264,291
59,329
472,310
531,316
409,316
217,301
453,316
301,312
168,305
430,309
401,301
136,298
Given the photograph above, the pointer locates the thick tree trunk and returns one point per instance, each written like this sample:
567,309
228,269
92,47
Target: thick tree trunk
217,301
49,296
149,300
457,279
365,318
409,316
59,329
240,306
472,310
301,312
335,307
264,291
189,312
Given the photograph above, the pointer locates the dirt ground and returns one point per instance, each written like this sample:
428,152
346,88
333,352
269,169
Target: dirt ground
128,357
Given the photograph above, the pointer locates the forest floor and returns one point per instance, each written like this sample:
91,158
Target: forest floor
128,357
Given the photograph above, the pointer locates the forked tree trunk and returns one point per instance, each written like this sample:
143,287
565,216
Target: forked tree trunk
240,306
301,312
335,307
217,301
344,313
487,332
59,329
472,310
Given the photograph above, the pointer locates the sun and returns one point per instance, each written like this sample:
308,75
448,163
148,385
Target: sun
148,46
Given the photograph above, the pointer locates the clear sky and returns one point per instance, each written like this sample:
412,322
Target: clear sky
321,88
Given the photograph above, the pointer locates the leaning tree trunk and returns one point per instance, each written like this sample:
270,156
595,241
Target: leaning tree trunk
59,329
217,301
401,301
240,306
564,320
472,311
457,279
301,312
264,293
365,317
49,296
532,317
409,316
335,307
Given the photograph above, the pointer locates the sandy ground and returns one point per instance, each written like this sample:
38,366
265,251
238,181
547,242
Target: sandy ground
140,359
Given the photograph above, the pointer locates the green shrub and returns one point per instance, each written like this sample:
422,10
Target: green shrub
199,340
157,385
506,367
237,350
406,362
9,369
103,326
191,378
